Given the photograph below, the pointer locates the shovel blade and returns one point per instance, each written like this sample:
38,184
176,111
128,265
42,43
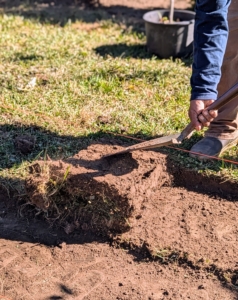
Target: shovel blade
151,144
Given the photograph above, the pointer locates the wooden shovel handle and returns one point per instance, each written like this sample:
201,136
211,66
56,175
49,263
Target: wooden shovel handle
224,99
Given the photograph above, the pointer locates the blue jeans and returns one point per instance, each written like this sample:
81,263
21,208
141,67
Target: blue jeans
210,40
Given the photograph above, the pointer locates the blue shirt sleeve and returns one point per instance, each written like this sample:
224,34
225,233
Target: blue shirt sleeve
210,39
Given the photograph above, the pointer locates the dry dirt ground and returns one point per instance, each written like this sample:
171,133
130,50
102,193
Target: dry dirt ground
127,227
180,4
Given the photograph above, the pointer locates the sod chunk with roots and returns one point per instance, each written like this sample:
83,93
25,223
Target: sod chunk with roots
88,191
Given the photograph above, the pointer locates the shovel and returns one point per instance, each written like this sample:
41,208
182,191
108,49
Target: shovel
186,133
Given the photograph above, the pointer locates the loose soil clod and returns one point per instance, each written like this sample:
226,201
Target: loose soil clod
103,194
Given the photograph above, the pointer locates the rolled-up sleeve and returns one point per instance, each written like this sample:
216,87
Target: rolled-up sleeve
210,39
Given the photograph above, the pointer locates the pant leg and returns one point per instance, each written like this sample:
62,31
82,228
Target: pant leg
225,126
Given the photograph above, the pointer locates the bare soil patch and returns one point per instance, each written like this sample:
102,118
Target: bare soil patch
141,4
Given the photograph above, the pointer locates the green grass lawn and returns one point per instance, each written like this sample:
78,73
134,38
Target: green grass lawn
67,85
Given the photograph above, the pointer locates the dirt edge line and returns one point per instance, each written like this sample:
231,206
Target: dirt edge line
227,277
202,183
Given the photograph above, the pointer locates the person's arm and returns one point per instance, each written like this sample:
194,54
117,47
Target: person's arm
210,39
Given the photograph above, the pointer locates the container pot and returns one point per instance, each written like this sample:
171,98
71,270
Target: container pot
169,39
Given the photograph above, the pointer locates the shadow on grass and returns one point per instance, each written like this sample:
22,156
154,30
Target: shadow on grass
132,51
124,51
32,57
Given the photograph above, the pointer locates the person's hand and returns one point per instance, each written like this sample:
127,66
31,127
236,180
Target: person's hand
199,115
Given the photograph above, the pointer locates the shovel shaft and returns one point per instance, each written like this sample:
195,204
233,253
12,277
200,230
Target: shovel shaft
221,101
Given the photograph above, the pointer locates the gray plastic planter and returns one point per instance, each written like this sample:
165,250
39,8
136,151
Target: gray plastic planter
169,40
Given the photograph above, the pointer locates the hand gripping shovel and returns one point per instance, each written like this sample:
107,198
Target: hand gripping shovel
186,133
